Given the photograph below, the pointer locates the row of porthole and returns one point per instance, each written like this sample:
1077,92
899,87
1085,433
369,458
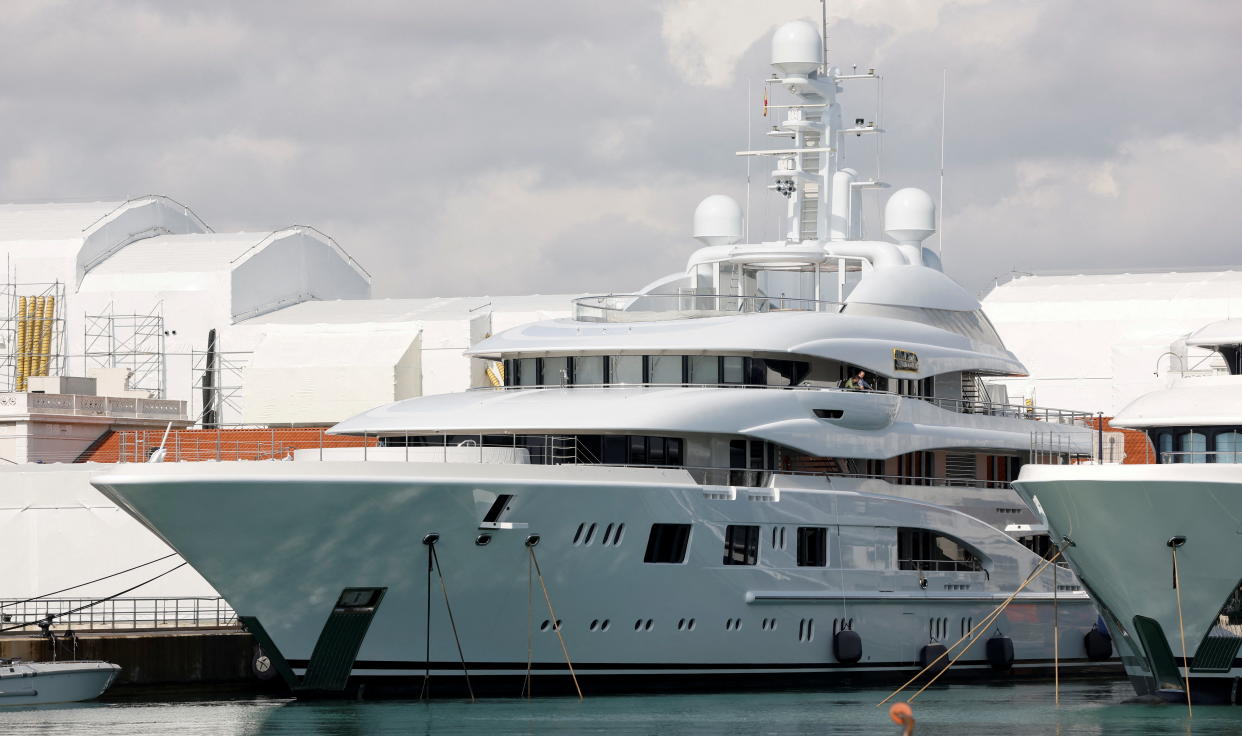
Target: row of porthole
967,624
733,624
768,624
842,624
685,624
611,537
938,628
806,629
778,537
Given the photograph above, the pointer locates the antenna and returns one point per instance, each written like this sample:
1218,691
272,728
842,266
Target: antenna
750,122
823,13
944,96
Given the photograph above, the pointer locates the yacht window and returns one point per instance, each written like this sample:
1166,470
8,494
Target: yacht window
556,371
704,369
664,369
756,372
638,449
1229,447
625,369
527,371
1194,446
741,545
667,543
924,549
616,449
732,369
589,370
785,372
812,546
655,450
673,449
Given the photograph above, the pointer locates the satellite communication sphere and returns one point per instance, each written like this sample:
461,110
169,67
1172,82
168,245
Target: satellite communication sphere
718,220
910,215
797,49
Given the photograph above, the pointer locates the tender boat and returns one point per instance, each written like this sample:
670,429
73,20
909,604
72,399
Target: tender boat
47,683
726,479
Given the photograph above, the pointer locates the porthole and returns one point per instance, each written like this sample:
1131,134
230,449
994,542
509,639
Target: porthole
590,535
594,625
607,534
638,625
690,625
578,534
648,625
681,624
616,538
605,625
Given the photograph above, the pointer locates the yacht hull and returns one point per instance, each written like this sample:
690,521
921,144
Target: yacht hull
282,541
1120,520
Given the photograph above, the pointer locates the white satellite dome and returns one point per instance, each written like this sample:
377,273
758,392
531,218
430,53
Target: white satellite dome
718,220
797,49
910,216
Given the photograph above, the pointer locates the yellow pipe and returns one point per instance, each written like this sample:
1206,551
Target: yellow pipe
49,311
36,346
21,344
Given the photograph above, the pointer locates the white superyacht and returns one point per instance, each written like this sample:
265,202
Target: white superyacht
1159,546
725,480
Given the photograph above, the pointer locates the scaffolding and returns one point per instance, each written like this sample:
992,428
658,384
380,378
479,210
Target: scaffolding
32,332
131,341
216,385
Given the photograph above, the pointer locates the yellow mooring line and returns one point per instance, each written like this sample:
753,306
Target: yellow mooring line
983,624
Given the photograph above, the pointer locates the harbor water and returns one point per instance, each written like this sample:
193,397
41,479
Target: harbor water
1008,710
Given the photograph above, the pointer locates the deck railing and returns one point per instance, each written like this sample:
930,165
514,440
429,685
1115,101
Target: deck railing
659,307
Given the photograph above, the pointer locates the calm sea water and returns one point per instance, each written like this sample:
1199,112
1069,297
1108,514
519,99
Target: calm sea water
1010,710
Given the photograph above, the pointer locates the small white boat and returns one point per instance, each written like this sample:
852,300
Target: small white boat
44,683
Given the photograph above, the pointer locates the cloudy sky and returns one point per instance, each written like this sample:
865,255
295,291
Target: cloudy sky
560,146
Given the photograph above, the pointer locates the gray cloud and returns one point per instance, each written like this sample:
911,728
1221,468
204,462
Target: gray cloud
561,146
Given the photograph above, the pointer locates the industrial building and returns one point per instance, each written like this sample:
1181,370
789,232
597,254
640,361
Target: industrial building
124,320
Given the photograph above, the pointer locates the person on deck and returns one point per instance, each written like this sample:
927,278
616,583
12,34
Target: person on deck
858,382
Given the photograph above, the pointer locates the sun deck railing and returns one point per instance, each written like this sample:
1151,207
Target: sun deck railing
118,614
959,406
658,307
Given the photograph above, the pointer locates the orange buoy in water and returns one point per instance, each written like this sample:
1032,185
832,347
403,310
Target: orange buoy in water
902,715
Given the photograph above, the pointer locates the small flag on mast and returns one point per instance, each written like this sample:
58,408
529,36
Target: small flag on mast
765,102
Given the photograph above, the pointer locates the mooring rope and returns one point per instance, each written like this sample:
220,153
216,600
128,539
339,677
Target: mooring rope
1177,589
53,616
425,690
88,582
555,625
1056,641
452,624
983,624
530,625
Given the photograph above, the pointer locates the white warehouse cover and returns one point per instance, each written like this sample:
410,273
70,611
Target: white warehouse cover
1096,342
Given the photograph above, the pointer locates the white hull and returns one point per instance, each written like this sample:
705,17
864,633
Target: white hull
1120,518
281,541
47,683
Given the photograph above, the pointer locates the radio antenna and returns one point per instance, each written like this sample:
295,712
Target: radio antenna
823,18
944,96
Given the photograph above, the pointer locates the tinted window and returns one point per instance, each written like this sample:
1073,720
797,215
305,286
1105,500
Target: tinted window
812,546
625,369
704,369
616,449
528,372
1194,444
589,370
741,545
733,369
1229,447
667,543
556,371
664,369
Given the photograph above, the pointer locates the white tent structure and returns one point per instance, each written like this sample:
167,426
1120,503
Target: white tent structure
1095,342
322,361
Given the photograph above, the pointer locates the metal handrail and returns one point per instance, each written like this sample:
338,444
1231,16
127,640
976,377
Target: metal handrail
1211,456
958,406
617,307
119,614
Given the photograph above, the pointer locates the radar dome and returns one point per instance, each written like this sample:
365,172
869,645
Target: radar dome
910,215
797,49
718,220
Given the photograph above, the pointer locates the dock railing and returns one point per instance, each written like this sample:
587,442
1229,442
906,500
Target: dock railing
118,614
